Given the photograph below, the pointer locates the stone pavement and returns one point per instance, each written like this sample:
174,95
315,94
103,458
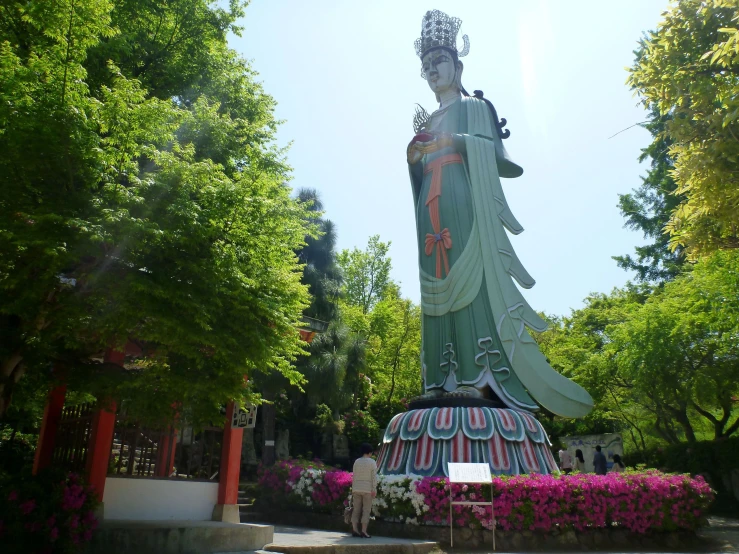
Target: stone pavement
301,540
722,536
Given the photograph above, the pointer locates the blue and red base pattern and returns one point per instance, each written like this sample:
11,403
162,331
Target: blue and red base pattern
423,442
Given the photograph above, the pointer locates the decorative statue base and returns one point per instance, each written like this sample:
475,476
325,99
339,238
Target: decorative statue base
423,441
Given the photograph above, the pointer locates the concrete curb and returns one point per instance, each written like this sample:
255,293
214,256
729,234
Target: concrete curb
415,548
178,537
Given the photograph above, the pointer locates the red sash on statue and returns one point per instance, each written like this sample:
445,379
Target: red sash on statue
440,237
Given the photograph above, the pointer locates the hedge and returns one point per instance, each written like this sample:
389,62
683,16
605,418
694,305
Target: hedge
636,501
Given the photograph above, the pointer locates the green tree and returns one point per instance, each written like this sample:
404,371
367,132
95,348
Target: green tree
575,346
144,199
366,273
321,273
389,325
648,209
689,69
679,350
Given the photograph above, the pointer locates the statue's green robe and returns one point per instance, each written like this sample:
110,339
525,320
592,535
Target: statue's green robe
475,320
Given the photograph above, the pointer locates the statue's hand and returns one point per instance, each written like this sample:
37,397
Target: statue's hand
416,150
413,154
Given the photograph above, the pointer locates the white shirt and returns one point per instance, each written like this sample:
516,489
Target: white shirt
364,478
565,459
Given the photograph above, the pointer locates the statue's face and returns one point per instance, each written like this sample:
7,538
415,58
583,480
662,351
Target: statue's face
438,66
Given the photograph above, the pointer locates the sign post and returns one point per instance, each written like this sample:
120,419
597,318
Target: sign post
471,474
244,418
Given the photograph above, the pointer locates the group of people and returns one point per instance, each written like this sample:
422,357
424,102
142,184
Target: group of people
600,466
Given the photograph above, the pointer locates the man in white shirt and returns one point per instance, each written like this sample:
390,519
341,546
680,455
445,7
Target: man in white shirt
565,460
364,489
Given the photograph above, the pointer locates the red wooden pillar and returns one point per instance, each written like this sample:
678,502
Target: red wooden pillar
227,508
49,428
101,436
165,453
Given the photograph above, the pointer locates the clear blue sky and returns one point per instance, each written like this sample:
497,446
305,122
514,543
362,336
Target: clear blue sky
346,79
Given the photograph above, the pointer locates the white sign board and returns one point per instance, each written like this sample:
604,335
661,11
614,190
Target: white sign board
244,417
469,473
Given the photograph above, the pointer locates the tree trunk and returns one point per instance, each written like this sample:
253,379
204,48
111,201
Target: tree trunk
13,369
665,431
269,413
681,416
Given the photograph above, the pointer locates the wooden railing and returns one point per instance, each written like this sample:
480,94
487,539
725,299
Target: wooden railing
73,435
140,452
135,451
198,454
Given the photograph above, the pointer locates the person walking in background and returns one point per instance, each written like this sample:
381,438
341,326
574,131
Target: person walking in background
364,489
599,462
565,461
618,465
579,461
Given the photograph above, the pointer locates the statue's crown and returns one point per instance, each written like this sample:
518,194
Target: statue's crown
438,30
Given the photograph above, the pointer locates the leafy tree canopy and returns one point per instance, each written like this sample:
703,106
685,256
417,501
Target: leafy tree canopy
679,350
688,69
659,361
143,200
648,209
366,273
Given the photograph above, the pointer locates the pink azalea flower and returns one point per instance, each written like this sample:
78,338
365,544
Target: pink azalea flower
28,506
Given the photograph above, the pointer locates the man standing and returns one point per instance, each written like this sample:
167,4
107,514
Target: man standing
599,462
565,461
364,489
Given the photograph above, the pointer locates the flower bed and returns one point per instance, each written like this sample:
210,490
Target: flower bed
637,502
48,513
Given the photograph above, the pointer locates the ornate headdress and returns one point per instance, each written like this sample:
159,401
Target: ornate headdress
438,30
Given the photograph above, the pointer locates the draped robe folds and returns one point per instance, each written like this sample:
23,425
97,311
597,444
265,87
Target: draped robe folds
475,320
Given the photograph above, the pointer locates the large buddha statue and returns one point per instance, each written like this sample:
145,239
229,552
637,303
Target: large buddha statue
475,339
484,376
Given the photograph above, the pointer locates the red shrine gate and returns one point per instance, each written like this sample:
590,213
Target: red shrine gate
177,471
90,440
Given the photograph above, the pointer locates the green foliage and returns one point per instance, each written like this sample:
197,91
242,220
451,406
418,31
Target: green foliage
321,272
660,362
360,427
143,199
383,411
713,459
325,422
648,209
366,273
392,331
16,452
689,69
575,346
679,349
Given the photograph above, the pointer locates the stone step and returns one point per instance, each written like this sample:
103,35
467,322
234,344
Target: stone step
176,537
301,540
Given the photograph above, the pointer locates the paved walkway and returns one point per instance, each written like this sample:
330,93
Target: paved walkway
298,540
721,536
